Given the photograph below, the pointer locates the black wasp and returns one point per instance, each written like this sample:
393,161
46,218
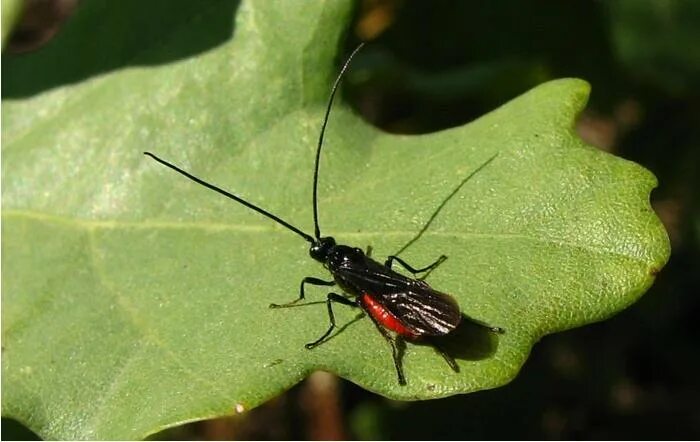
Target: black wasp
408,307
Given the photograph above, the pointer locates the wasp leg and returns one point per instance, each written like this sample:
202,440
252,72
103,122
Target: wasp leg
449,359
332,297
491,328
390,260
398,346
369,251
308,280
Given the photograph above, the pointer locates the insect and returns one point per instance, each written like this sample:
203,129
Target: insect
406,307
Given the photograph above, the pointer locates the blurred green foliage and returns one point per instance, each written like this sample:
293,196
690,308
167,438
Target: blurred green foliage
632,377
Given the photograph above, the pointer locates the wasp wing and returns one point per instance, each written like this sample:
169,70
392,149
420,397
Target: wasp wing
419,307
422,309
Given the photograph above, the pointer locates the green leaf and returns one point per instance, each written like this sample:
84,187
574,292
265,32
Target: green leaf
134,300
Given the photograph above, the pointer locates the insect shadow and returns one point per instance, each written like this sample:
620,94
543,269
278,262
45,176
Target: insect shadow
341,328
441,206
470,341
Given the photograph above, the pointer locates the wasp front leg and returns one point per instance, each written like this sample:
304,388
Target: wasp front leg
308,280
330,299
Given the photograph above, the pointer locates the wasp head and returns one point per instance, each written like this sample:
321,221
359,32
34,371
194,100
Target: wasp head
321,248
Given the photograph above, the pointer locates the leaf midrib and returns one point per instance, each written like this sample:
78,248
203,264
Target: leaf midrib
91,225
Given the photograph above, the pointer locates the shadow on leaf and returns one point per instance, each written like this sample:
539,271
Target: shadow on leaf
470,341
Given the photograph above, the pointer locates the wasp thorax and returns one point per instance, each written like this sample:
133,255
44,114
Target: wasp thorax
343,256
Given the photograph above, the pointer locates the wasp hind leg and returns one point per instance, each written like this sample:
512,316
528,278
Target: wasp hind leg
330,299
492,328
398,347
449,359
308,280
427,269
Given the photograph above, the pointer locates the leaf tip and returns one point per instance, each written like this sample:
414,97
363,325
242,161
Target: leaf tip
574,91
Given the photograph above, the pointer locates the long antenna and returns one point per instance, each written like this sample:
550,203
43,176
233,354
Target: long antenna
279,220
317,230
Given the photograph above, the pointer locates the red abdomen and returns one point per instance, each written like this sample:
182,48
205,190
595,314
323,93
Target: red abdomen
384,317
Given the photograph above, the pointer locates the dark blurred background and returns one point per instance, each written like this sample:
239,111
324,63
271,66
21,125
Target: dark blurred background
439,64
